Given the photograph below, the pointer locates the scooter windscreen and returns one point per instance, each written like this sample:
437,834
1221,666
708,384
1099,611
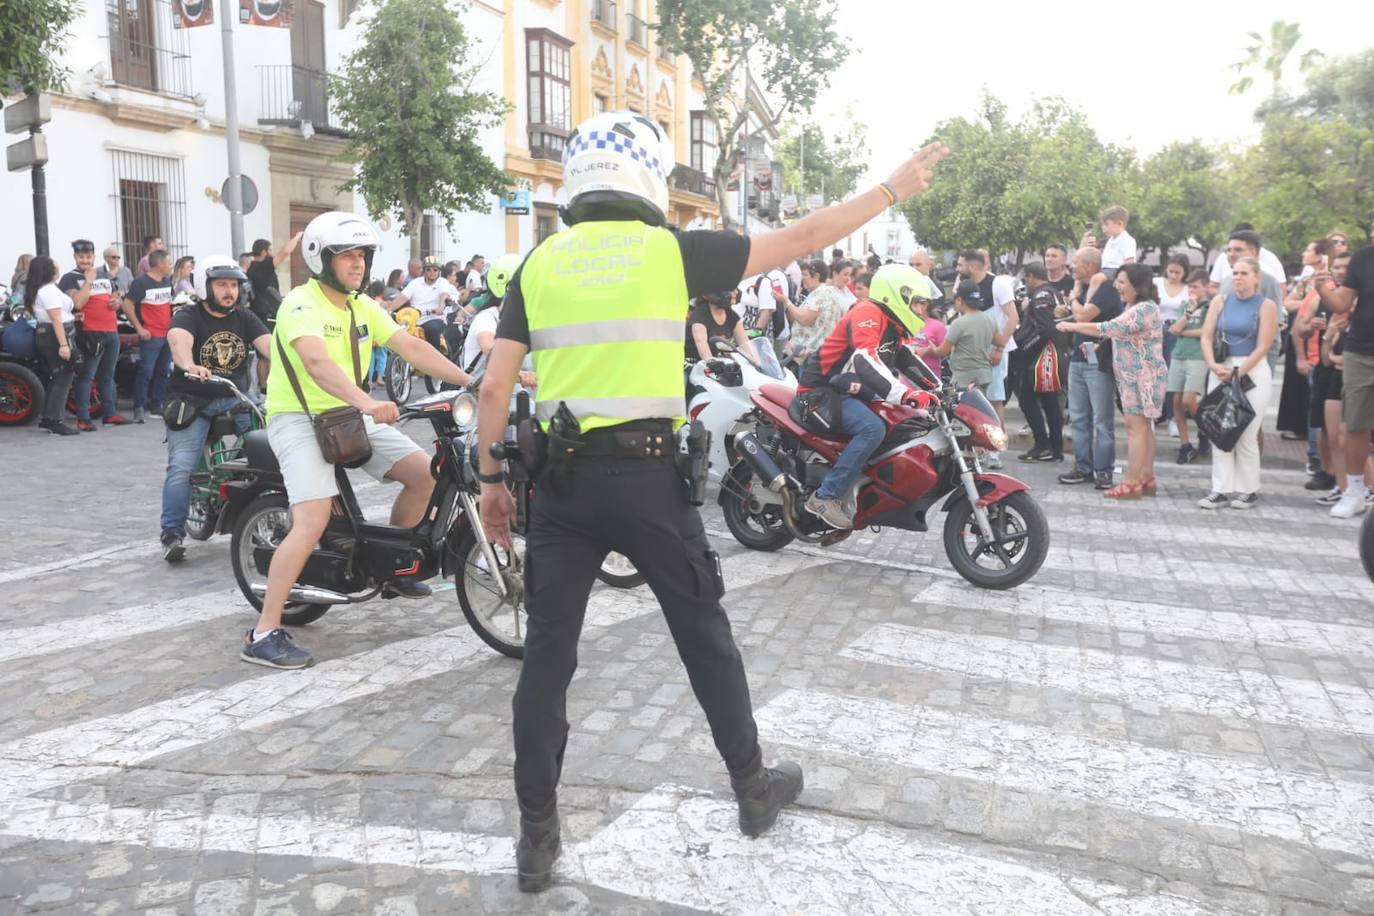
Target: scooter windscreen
973,399
768,360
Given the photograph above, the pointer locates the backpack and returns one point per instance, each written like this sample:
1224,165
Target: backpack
778,326
20,339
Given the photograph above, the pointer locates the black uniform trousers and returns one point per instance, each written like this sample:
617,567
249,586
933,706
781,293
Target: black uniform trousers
637,507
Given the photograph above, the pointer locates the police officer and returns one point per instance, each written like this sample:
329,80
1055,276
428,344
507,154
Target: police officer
602,304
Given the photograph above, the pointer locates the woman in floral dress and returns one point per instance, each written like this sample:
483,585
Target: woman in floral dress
1141,373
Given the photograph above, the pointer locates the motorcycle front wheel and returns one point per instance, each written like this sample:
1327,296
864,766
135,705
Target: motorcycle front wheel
1021,539
264,522
499,620
398,377
200,521
763,530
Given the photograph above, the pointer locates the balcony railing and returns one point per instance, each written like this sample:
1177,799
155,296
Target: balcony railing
639,30
145,50
547,141
663,54
292,96
693,181
603,11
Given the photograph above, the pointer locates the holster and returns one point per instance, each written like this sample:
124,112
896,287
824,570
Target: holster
533,444
693,460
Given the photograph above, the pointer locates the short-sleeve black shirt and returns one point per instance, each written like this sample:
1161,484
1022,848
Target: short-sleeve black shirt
701,314
711,261
222,345
263,275
1359,276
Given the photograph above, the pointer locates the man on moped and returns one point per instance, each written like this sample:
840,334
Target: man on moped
860,362
326,330
212,338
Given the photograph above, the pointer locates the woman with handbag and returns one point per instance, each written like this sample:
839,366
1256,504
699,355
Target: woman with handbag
1138,361
55,339
1236,338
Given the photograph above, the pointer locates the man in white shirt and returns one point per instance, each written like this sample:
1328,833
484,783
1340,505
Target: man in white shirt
1005,313
428,295
1270,264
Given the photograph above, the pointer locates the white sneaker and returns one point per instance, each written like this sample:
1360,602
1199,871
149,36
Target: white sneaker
1351,504
1173,429
1024,431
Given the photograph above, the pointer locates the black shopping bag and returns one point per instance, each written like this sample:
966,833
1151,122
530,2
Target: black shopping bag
1225,413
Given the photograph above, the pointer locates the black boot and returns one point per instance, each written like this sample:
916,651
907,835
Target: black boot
537,850
763,792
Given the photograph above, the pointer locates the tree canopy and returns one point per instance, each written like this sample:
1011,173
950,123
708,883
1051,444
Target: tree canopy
415,119
1185,194
30,33
791,49
813,164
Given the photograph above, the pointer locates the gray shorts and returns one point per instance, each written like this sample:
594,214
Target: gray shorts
303,468
1188,375
1357,396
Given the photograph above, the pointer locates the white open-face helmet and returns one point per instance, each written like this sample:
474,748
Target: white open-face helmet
216,267
333,233
617,164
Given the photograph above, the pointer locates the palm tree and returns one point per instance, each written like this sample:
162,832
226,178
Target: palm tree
1270,56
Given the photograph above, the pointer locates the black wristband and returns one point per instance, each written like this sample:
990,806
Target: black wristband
498,477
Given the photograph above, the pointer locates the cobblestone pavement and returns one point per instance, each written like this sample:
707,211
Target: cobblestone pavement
1175,717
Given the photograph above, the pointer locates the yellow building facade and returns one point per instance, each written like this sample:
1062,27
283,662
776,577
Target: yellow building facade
565,60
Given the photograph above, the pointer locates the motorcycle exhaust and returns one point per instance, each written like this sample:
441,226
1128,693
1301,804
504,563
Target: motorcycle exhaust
308,594
748,447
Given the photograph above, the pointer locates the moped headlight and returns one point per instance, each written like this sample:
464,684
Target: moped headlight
464,410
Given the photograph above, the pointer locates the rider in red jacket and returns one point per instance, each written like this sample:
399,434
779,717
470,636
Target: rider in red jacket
864,357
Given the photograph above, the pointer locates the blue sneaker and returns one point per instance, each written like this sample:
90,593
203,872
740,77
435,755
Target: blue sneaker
275,650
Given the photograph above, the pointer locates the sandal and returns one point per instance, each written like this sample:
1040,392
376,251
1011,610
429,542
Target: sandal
1125,491
1149,488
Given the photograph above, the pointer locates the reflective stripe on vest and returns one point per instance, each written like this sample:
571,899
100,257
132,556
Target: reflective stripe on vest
606,304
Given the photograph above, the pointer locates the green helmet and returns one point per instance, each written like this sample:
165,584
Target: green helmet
500,272
895,287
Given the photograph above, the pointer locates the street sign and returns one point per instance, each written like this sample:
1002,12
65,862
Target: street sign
27,154
29,112
516,203
248,193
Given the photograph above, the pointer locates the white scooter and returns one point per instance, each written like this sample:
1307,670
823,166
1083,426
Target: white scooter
719,391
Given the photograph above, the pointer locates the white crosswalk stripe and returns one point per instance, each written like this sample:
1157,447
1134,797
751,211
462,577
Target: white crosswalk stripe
1224,693
1198,788
1195,623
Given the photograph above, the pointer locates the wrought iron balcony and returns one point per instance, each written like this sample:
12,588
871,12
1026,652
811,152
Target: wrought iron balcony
603,11
292,96
693,181
638,30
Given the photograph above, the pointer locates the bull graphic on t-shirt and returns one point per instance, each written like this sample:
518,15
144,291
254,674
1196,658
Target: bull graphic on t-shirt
223,352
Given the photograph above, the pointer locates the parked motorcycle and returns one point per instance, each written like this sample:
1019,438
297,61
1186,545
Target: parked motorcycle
21,372
995,534
719,393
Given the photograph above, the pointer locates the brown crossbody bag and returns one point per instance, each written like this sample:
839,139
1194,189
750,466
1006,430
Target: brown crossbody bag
340,431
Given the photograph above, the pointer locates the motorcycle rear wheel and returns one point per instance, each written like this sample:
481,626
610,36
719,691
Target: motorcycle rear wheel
498,621
264,522
200,521
618,572
21,395
1021,541
763,531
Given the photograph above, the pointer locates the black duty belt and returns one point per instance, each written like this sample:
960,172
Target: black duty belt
644,440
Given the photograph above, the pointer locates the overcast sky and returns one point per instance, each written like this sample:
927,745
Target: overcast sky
1144,79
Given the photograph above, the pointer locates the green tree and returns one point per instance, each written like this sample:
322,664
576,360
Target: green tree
1017,186
415,119
1270,55
812,164
31,32
794,40
1183,195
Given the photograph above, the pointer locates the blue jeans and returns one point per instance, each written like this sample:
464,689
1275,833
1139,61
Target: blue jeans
154,362
100,369
865,432
1092,416
184,447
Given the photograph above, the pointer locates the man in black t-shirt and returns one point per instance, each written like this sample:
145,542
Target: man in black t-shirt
210,339
262,273
1092,384
1356,296
1057,270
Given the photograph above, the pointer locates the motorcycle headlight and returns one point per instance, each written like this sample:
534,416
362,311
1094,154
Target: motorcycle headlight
464,410
996,436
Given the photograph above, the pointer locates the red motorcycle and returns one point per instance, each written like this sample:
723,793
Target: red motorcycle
994,532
